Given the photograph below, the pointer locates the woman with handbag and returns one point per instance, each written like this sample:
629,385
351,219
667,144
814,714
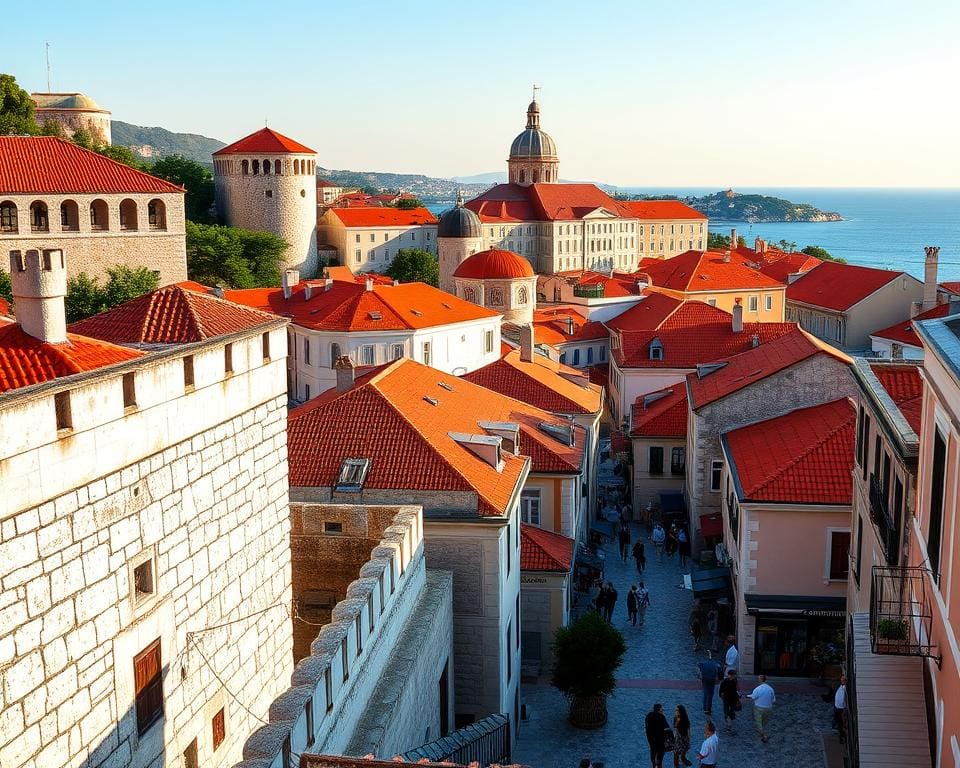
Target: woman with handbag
730,696
681,733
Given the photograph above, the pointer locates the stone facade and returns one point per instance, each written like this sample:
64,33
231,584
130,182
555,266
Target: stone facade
372,249
545,605
282,201
73,111
516,298
818,379
162,520
451,252
98,232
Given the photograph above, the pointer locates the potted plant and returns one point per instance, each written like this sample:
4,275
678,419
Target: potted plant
891,634
827,657
586,654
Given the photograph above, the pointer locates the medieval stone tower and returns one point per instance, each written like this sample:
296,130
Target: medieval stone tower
459,235
268,182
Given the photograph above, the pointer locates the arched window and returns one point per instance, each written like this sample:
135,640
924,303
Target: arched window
8,217
536,176
277,167
656,349
69,216
523,176
470,294
99,216
157,214
128,214
256,167
244,167
266,167
334,354
38,217
495,297
296,167
522,297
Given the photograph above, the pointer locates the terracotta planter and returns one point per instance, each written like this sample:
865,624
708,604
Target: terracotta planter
588,711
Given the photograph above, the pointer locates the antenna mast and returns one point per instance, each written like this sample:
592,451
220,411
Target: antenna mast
47,45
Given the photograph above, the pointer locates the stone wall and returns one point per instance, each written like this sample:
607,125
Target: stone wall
192,484
95,251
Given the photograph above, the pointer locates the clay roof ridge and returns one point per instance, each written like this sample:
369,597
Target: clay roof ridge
136,171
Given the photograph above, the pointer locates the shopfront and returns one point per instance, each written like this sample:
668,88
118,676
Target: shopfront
794,635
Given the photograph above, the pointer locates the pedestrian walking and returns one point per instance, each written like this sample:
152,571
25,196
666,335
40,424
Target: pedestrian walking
708,671
764,698
624,537
640,556
730,697
671,543
585,763
709,752
696,630
840,708
658,537
681,736
656,726
643,602
632,605
601,601
611,603
683,546
732,655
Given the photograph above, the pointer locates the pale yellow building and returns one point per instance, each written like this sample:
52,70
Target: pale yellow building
368,238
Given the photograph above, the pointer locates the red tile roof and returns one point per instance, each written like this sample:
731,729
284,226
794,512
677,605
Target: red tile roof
347,306
384,216
544,202
790,264
754,365
838,286
663,209
903,332
4,306
267,141
494,264
386,418
618,285
542,383
690,333
804,457
951,287
905,387
551,327
25,360
171,315
345,274
50,165
699,271
664,415
542,550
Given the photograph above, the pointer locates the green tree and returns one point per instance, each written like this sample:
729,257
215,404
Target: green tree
6,289
822,253
236,258
718,242
408,203
83,138
16,108
414,265
121,154
197,179
86,297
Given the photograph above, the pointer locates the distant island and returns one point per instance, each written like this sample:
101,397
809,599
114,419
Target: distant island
753,209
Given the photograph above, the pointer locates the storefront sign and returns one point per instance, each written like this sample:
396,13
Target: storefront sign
829,614
533,580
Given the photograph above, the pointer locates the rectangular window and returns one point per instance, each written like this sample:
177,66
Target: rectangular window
61,405
426,353
857,563
893,556
656,460
306,391
306,351
754,303
576,357
332,528
148,686
768,302
356,237
859,450
228,359
265,346
678,461
603,354
839,555
877,456
373,237
716,471
144,585
308,713
357,256
367,354
344,659
219,728
517,624
935,524
358,626
589,355
488,341
509,650
397,352
866,445
328,687
530,506
129,390
188,372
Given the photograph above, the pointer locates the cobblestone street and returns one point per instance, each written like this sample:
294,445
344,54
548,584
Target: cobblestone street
660,666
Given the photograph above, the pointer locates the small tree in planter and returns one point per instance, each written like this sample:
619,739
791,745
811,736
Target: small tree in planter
892,635
586,654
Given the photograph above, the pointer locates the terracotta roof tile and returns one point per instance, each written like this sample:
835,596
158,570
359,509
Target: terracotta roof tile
171,315
494,264
386,418
905,387
543,202
790,264
838,286
618,285
265,140
903,332
542,550
383,216
663,209
748,367
50,165
951,286
699,271
804,457
664,415
25,360
552,326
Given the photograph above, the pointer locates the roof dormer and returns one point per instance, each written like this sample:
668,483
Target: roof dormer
656,349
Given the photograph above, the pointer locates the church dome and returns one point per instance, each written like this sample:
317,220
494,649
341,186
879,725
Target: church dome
533,142
495,264
459,221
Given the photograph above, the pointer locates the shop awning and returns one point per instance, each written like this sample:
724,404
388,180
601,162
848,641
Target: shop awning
672,502
602,527
711,525
710,582
797,605
586,559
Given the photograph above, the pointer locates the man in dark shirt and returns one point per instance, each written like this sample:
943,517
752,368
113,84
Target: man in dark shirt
656,726
709,672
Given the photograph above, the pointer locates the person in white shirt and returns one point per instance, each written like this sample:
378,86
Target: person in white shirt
710,749
658,537
733,655
763,700
840,707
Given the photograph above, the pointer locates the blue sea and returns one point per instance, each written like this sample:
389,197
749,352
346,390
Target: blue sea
881,228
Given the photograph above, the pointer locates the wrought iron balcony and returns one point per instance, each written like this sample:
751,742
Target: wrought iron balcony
886,526
588,291
901,612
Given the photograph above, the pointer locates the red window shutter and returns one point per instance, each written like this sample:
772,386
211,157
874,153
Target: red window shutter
148,682
219,729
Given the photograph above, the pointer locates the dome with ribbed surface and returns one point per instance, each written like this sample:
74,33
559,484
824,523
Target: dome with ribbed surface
459,222
494,264
533,142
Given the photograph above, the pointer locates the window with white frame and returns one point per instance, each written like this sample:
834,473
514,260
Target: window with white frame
530,506
838,554
367,355
768,302
397,351
754,303
488,341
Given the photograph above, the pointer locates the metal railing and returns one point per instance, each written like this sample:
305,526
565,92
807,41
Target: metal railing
485,742
588,291
901,612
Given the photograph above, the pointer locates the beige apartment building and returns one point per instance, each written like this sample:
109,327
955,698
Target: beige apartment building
367,239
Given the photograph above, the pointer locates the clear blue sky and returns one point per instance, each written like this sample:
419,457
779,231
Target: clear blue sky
841,93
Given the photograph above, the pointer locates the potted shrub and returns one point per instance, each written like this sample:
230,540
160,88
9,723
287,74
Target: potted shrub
586,654
891,634
827,657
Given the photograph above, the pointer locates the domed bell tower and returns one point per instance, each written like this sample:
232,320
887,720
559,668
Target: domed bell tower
459,236
533,154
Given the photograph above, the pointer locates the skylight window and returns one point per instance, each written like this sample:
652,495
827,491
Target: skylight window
353,473
375,316
416,312
431,400
445,386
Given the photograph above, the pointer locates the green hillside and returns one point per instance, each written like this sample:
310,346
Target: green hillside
153,143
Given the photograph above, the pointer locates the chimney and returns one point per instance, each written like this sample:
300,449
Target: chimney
344,368
526,343
734,241
396,282
218,291
39,282
760,245
738,317
570,327
368,283
726,256
307,291
930,277
291,278
755,341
